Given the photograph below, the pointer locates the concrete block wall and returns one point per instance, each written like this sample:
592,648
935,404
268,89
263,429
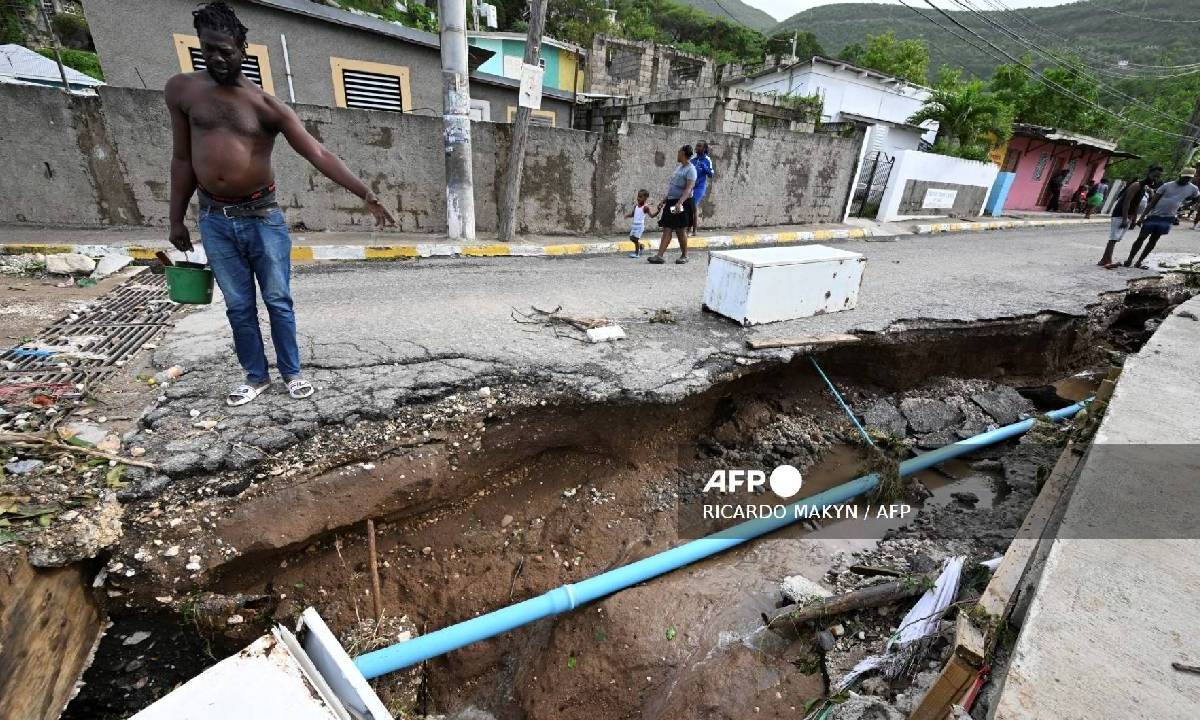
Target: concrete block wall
106,161
759,181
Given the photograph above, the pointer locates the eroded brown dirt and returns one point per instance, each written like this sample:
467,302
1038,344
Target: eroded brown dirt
486,499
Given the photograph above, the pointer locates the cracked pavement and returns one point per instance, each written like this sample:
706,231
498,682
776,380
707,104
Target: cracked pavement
378,337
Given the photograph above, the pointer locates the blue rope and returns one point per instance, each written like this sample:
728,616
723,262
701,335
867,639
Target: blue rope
837,396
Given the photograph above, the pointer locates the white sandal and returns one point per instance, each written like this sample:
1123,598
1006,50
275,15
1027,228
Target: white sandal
243,394
299,388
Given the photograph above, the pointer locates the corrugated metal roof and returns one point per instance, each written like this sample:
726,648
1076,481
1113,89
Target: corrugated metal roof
21,63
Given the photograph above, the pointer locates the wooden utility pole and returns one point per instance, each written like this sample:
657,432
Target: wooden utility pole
510,203
456,103
1187,146
62,72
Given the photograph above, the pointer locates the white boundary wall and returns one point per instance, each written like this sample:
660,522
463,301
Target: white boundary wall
939,169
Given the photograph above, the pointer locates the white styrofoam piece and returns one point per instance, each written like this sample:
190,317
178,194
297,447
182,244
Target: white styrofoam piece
605,333
265,681
337,669
782,283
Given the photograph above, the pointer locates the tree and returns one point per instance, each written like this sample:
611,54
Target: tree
904,59
970,120
13,21
1041,102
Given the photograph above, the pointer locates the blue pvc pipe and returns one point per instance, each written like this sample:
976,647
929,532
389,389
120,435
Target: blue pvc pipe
571,596
838,396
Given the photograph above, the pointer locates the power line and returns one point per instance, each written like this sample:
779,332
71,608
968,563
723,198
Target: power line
1143,17
1067,66
1099,63
1046,81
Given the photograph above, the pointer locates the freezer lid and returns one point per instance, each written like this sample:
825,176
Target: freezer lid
787,255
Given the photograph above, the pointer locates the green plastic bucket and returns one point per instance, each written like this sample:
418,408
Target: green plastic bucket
189,285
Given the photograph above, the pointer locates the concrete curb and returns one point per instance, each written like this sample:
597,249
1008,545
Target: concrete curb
302,253
933,228
311,253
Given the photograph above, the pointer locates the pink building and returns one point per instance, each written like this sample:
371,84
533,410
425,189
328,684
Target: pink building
1036,153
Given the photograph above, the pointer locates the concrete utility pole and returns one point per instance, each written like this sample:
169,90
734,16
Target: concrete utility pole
510,204
460,182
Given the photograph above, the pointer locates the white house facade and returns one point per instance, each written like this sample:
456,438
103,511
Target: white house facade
851,93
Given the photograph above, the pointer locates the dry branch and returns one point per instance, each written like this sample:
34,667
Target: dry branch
39,440
873,596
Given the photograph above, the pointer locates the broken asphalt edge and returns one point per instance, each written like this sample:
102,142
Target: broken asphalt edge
312,253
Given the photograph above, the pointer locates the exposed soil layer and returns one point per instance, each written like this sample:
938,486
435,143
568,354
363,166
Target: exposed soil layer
487,498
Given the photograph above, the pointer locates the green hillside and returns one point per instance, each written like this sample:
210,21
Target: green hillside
735,10
1083,27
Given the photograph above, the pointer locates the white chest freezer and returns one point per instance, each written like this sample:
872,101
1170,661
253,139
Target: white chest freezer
764,285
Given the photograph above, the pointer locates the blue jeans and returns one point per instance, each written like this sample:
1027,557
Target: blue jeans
240,251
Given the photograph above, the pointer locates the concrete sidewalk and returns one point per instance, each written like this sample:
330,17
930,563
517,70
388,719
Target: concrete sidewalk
1116,602
141,243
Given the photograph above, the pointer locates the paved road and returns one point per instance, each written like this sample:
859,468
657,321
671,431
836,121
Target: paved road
453,317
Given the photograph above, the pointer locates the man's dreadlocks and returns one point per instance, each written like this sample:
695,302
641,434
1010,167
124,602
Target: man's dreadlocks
219,17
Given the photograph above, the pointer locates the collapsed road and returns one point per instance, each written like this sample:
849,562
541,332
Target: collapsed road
505,457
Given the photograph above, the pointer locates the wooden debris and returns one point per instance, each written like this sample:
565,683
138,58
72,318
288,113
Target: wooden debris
376,601
1186,668
997,597
803,340
959,675
873,596
39,440
556,317
973,644
873,571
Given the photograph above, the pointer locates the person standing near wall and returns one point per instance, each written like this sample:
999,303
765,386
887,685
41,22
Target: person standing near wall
679,207
1162,212
223,130
1096,199
1129,206
704,171
1055,189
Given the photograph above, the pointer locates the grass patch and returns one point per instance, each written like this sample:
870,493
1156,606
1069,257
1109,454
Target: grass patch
85,62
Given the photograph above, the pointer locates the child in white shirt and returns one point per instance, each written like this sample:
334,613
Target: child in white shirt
640,212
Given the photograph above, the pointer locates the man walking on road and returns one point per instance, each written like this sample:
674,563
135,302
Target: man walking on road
1161,213
1131,203
223,130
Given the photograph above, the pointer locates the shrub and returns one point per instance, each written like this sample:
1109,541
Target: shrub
82,60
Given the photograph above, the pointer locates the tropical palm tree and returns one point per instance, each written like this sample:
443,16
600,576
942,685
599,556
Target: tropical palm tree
970,119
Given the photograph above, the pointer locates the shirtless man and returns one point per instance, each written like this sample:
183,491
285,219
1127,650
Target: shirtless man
224,128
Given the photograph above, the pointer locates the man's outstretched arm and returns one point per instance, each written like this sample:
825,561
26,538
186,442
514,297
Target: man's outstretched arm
330,165
183,177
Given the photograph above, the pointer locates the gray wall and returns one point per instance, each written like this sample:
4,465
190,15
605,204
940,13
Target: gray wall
105,161
134,42
966,203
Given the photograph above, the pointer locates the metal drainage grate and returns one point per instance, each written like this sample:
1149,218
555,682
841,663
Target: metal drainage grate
93,342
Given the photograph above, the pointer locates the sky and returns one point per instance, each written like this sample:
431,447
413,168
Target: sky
783,9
